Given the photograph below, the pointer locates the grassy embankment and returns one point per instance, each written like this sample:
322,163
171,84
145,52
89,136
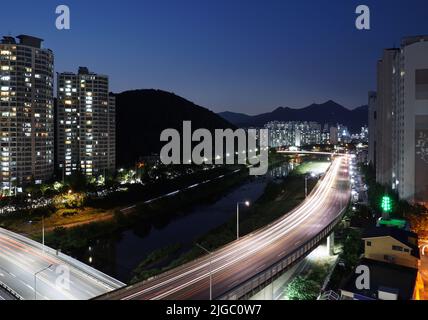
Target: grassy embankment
88,211
157,213
307,285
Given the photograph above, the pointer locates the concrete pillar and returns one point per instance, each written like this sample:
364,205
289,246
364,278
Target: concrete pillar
330,244
268,291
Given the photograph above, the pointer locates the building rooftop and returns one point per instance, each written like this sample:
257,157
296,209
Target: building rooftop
24,40
384,277
83,71
8,40
30,41
406,41
408,238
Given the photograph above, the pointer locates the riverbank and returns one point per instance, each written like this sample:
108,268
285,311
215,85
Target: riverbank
132,199
158,213
108,210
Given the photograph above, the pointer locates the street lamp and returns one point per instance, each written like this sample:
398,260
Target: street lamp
247,204
43,233
311,175
35,279
211,270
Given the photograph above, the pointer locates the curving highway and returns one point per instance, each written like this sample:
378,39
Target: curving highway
243,259
32,272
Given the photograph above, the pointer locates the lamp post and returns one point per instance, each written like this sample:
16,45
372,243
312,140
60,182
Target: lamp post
211,270
35,279
247,204
43,233
311,175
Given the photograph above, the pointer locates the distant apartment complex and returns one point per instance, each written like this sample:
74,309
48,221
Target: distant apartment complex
26,112
85,124
298,134
293,133
399,118
363,136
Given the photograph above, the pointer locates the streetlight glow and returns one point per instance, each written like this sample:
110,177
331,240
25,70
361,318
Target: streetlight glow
247,204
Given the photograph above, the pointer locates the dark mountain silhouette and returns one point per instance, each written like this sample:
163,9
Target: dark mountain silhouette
236,118
141,116
329,112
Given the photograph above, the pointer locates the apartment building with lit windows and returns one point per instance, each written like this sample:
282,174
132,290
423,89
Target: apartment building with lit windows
26,112
410,121
293,133
85,124
401,122
384,111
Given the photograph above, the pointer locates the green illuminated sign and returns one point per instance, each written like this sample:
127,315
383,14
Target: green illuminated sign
386,204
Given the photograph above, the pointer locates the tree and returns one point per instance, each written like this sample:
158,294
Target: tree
302,289
352,248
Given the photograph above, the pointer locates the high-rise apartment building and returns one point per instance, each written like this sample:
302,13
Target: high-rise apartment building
293,133
410,120
401,120
85,124
334,136
384,112
372,128
325,134
26,112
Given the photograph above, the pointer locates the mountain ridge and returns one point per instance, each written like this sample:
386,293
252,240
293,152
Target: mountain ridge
329,112
141,116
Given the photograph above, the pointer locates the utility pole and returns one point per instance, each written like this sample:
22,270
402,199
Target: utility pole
246,203
35,279
237,221
43,233
306,186
211,270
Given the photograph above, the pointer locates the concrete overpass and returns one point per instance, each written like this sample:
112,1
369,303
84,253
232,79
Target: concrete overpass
30,271
320,153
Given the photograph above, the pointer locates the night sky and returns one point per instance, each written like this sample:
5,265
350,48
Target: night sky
243,56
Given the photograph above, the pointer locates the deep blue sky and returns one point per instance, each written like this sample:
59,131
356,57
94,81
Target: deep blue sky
244,56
